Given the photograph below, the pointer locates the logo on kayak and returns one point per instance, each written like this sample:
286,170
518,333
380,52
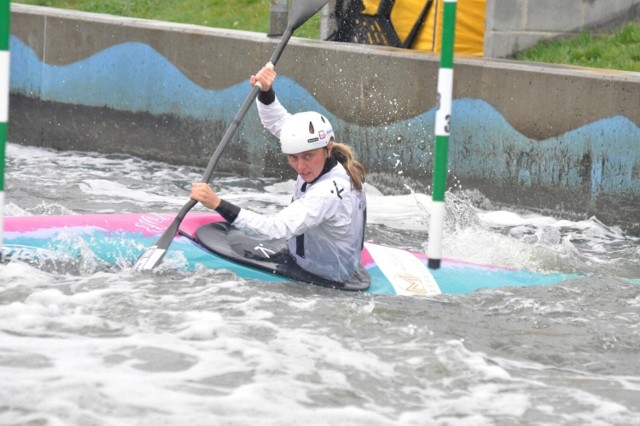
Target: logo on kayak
153,222
266,252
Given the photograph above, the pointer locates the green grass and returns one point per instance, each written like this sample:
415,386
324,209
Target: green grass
618,50
249,15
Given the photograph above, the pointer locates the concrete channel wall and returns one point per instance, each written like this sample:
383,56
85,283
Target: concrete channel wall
557,140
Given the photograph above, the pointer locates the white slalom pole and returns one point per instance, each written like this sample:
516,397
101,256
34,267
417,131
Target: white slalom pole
442,131
5,18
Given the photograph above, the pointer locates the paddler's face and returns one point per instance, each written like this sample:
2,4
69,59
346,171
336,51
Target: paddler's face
309,164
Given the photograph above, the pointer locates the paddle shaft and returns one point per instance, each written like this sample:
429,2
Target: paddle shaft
153,256
235,124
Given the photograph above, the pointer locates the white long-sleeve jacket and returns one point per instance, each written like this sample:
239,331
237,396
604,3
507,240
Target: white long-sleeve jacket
325,222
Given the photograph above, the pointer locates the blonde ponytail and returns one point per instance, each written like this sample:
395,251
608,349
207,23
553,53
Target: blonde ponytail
345,155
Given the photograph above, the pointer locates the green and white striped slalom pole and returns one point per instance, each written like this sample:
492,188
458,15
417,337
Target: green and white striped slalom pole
5,17
442,131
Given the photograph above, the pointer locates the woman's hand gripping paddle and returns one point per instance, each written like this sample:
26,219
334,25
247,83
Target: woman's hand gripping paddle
299,12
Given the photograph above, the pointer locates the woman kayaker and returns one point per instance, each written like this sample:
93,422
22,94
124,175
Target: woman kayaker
325,223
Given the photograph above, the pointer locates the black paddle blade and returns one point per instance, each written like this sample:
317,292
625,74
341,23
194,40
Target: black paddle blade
301,10
154,254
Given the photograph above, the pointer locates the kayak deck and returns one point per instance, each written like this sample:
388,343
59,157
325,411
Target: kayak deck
118,239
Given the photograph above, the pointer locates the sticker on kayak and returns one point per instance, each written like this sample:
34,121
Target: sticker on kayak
408,275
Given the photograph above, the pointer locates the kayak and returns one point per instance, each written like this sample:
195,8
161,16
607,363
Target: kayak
205,240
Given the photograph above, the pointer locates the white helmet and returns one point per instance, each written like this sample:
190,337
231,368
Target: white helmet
305,131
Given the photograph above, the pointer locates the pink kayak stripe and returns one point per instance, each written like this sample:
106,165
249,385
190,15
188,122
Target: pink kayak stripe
150,224
146,223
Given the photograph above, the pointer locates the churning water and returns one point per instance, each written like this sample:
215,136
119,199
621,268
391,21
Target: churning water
87,346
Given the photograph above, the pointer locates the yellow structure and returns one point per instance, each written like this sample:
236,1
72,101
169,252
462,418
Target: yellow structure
470,23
